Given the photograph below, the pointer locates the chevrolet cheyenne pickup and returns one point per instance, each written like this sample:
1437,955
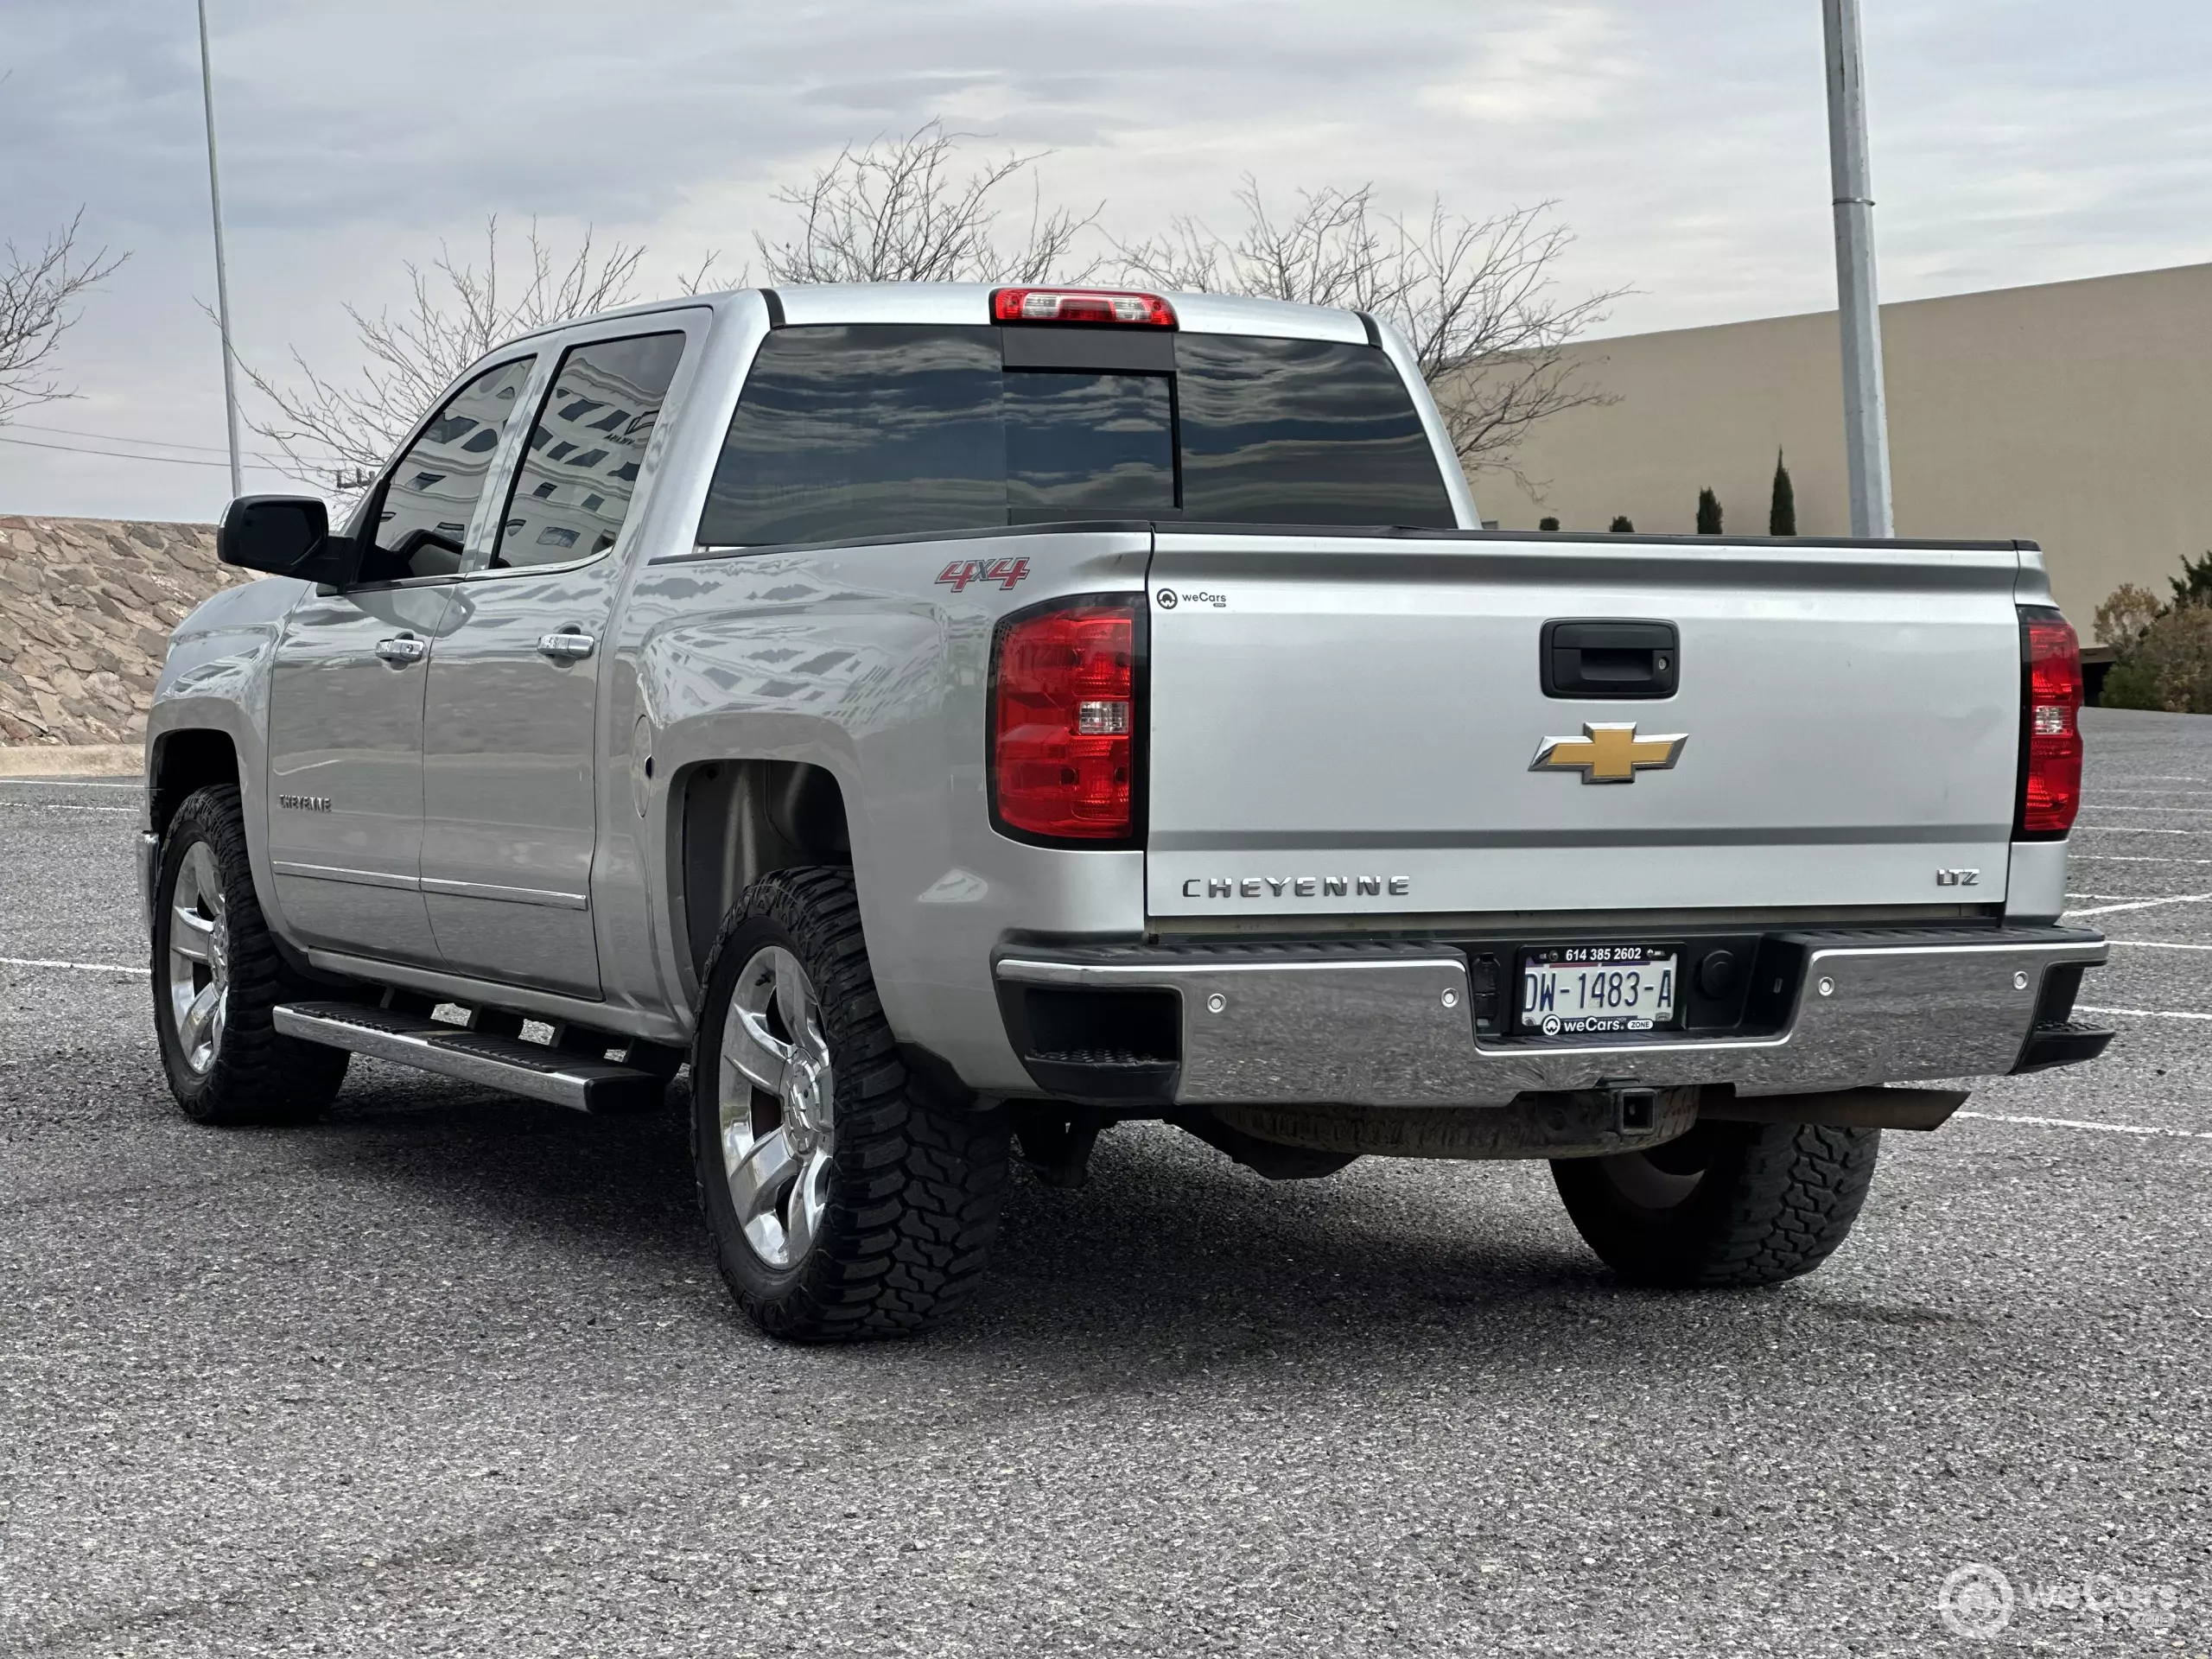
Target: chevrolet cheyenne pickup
953,721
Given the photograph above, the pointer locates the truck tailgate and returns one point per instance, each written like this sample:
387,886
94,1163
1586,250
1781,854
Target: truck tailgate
1348,724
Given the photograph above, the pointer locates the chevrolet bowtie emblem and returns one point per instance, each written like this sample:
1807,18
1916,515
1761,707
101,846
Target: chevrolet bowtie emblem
1608,754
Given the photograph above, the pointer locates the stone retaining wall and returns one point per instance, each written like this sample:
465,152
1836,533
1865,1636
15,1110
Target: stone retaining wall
86,609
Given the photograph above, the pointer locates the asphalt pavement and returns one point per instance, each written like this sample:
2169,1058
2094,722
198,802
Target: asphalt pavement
452,1374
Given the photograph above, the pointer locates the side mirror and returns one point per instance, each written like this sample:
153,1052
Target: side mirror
286,536
275,533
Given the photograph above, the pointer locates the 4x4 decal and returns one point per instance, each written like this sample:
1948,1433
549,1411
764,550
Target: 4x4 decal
1005,572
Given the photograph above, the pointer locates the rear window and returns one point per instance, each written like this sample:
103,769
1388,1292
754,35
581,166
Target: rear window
847,432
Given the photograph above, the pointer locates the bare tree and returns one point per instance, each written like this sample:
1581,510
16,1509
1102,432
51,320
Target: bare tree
896,211
337,434
697,282
1477,299
40,293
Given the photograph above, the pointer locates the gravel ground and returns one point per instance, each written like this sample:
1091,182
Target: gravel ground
452,1374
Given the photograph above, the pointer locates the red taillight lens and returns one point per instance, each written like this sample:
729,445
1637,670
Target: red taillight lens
1081,305
2051,770
1064,722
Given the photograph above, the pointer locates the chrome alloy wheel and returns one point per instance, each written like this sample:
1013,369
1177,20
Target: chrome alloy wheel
198,958
778,1104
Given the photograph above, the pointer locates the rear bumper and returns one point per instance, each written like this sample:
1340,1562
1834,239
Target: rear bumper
1389,1025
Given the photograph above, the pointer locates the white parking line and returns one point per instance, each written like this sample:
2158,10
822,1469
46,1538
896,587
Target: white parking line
2140,904
2143,1013
2139,829
62,782
2131,806
73,967
2129,858
2157,945
2081,1123
67,806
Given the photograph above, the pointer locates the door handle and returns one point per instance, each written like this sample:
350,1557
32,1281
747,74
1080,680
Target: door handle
403,649
1610,660
569,646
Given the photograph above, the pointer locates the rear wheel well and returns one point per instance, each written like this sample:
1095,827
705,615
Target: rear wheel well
185,763
740,819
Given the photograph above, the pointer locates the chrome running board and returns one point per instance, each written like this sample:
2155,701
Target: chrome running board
582,1081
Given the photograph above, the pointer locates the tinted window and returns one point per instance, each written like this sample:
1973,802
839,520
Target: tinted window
573,489
1083,445
1301,432
880,430
422,526
847,432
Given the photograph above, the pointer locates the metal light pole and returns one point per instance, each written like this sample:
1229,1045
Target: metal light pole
1866,410
222,265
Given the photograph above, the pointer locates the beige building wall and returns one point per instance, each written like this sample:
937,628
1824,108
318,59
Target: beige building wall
2074,415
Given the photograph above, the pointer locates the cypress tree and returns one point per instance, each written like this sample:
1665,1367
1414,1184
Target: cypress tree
1782,517
1548,524
2193,585
1620,526
1709,513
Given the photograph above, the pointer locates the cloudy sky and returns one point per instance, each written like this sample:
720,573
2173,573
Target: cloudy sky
2015,141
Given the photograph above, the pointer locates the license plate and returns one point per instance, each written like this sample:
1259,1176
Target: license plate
1576,990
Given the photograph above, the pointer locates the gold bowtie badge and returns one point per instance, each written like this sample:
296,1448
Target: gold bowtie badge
1608,754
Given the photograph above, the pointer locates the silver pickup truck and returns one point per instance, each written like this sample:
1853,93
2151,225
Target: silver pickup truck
953,721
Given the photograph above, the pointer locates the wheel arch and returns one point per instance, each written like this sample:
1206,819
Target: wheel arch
200,742
183,762
732,820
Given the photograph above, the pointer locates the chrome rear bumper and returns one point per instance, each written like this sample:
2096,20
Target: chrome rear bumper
1388,1025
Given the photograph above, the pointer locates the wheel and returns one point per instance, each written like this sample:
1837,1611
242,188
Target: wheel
217,976
1726,1204
845,1200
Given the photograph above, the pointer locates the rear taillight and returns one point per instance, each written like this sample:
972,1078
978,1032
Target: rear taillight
2050,730
1064,722
1081,305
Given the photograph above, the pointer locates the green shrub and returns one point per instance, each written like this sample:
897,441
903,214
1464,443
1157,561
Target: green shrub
1547,524
2167,665
1620,526
2128,685
2162,653
1709,513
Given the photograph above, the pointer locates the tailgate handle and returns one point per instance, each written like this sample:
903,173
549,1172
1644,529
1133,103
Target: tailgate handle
1611,659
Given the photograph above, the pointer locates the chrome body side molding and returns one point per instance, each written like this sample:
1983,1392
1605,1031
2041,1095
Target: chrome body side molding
507,895
346,874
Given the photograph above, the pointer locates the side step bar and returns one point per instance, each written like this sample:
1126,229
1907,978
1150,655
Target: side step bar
532,1069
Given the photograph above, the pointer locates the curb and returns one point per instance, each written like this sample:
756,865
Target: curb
72,761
